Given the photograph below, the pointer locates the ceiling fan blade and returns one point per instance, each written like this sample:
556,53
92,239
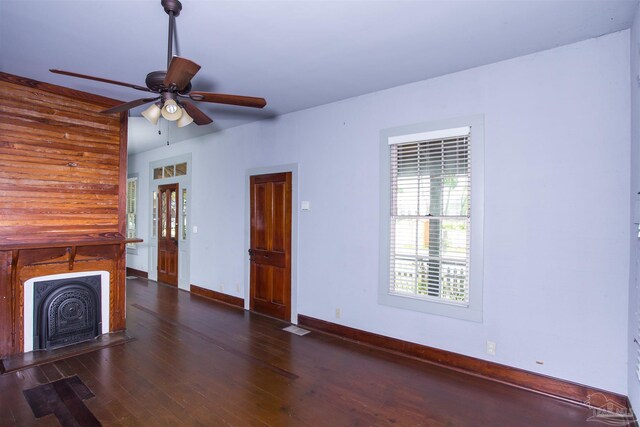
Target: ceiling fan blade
129,105
199,117
100,79
221,98
180,72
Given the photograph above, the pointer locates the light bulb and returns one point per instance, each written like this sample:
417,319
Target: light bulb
171,111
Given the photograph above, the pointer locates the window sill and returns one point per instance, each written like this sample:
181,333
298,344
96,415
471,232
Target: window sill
432,307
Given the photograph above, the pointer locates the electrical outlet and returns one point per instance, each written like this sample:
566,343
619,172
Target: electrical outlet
491,348
338,313
222,286
238,287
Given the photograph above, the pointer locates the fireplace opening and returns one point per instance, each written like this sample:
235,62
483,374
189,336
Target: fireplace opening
66,311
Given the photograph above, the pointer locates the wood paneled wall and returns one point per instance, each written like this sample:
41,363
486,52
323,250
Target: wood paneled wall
62,190
61,162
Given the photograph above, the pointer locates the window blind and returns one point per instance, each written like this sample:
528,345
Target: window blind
430,218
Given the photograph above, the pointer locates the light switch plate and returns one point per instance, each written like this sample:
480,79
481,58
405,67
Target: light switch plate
305,206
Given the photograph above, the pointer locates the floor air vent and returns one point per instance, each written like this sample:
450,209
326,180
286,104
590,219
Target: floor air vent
295,330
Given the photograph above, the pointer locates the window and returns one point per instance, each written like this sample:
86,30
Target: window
184,212
154,229
428,220
132,196
181,169
169,171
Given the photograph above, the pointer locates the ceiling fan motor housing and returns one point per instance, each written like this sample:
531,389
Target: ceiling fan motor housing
155,82
172,6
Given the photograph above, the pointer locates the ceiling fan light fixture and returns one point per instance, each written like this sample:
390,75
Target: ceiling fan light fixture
152,113
185,119
171,111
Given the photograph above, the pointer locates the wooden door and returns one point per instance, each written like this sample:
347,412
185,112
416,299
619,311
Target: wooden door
270,253
168,234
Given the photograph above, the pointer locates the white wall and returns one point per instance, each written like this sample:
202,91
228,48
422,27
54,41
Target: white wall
556,207
634,302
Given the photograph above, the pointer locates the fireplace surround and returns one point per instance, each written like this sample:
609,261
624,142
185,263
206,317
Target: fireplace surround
21,267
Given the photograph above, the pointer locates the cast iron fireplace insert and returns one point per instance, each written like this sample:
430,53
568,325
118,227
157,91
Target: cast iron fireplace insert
66,311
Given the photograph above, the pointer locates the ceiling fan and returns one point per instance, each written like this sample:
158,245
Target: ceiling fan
173,87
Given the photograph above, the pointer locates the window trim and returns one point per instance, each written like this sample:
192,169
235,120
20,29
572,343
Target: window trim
473,311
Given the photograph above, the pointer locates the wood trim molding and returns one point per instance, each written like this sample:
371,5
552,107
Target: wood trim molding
550,386
59,90
122,177
218,296
139,273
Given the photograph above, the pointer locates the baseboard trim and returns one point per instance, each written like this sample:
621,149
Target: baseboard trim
139,273
554,387
218,296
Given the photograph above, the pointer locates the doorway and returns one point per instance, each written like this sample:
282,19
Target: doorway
170,171
168,233
270,244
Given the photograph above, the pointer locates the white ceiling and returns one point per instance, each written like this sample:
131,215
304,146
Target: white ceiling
296,54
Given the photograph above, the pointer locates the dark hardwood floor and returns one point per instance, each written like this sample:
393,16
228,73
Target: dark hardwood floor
199,362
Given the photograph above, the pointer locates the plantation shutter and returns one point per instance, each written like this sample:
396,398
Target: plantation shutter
430,216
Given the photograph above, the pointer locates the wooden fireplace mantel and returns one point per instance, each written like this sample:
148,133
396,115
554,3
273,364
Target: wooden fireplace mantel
63,174
70,244
66,242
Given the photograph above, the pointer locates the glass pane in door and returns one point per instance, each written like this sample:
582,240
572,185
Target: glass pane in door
163,214
174,224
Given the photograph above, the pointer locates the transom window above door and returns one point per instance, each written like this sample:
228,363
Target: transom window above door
169,171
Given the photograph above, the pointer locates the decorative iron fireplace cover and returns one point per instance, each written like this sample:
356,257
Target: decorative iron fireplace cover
66,311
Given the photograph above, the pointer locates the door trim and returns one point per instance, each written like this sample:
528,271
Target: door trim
293,168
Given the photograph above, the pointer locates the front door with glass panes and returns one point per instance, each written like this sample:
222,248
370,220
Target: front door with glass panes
168,234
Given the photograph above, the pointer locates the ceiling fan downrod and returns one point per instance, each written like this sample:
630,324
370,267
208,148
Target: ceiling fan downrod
173,8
